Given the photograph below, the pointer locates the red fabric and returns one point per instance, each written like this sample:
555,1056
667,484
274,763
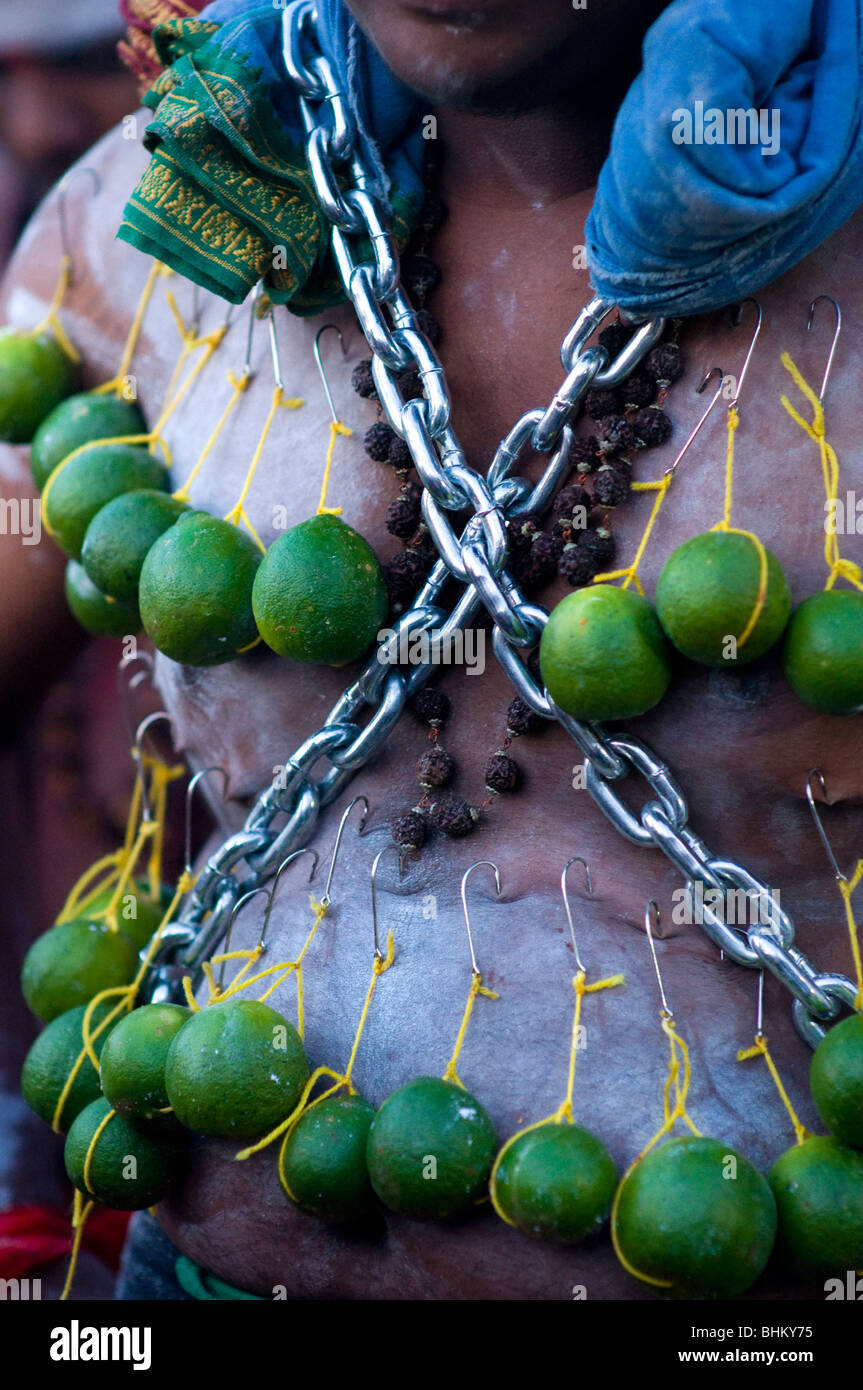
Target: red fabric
34,1236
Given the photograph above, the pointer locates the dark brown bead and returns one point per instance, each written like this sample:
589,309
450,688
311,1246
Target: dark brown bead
431,706
570,497
576,566
638,390
611,485
403,515
601,402
614,338
403,574
453,818
435,767
409,830
363,381
599,544
378,441
540,564
433,213
399,456
521,719
664,363
584,454
616,433
420,276
428,324
652,427
502,773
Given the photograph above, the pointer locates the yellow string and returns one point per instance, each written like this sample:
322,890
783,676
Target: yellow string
240,384
629,574
51,319
476,988
238,512
846,888
336,428
760,1049
733,421
80,1211
677,1087
838,568
341,1080
117,382
150,438
91,1148
564,1112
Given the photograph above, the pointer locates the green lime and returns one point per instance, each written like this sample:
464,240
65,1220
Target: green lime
130,1167
603,655
325,1169
35,376
119,536
71,963
696,1212
836,1080
80,419
823,652
430,1150
556,1182
50,1060
133,1064
818,1186
196,590
320,594
95,611
138,914
706,594
235,1070
80,488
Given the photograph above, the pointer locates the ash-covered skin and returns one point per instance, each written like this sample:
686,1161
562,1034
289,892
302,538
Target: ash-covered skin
742,747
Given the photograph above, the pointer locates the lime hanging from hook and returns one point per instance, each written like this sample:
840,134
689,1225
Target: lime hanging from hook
319,594
818,1187
823,651
111,1177
84,418
35,376
72,962
324,1169
555,1182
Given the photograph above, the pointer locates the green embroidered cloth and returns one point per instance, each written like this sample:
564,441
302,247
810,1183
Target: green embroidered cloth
227,198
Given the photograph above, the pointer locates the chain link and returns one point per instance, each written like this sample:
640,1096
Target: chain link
477,559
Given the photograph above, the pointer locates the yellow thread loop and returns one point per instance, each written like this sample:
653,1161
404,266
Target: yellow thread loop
760,1049
51,319
80,1211
238,513
476,988
336,428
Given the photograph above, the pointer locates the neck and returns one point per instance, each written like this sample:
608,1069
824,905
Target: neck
538,155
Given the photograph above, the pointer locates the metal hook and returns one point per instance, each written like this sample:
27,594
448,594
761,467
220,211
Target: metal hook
317,351
672,467
737,319
325,900
279,871
190,793
816,772
652,918
480,863
126,684
274,349
61,210
759,1019
830,300
374,876
576,859
143,728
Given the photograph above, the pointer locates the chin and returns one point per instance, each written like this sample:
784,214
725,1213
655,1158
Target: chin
485,54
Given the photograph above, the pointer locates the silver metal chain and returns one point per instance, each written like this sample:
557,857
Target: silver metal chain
285,816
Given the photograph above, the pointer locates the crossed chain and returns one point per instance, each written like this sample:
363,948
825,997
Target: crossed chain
477,559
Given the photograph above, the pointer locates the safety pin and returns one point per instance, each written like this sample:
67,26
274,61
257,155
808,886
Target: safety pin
838,329
816,772
480,863
61,211
317,352
652,917
576,859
